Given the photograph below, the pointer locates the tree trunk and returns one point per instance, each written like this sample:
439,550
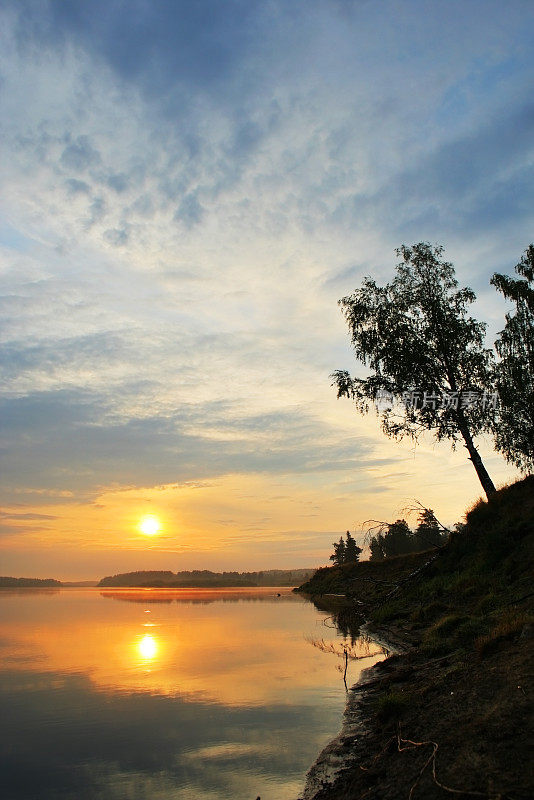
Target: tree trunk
474,456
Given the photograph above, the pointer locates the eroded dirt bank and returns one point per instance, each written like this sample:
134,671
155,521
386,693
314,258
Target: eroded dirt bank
452,715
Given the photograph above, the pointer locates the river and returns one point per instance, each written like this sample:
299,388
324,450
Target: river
185,694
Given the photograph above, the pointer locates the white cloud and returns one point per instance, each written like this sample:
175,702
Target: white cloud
179,239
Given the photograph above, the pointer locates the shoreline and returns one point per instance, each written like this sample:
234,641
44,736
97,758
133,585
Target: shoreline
427,725
348,748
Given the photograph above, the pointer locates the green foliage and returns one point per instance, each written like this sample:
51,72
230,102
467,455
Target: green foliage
385,612
507,627
397,539
415,335
453,631
446,625
428,532
429,612
475,597
165,579
514,373
352,551
338,556
468,631
391,706
376,546
7,582
487,603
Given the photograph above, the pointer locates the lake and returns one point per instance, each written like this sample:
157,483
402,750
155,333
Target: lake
159,695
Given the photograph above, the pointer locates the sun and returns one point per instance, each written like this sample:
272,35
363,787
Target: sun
150,526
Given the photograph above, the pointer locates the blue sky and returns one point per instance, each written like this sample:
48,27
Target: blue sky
188,189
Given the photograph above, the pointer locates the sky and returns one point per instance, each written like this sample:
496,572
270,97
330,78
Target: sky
188,188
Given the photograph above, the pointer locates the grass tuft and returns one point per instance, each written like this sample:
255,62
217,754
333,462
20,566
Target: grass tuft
392,706
509,626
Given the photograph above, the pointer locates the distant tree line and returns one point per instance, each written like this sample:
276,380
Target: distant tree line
7,582
204,578
397,538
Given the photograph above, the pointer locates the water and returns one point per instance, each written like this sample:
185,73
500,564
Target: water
189,694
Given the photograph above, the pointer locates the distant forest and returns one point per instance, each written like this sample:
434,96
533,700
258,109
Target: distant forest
165,579
27,583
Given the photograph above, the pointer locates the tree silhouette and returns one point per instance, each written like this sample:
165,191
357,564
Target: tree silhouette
396,538
428,532
416,336
352,551
345,552
514,426
338,556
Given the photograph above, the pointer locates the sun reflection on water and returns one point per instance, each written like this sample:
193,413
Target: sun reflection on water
189,643
148,648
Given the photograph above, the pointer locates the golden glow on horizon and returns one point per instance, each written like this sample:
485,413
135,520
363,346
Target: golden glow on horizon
148,648
150,525
292,517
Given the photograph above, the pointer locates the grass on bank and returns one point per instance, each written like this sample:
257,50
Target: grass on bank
475,595
452,714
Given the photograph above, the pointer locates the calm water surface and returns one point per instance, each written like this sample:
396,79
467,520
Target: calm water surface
151,695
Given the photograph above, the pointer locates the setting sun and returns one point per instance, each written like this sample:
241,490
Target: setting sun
149,526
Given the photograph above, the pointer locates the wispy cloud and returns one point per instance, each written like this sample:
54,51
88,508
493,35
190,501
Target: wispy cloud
188,191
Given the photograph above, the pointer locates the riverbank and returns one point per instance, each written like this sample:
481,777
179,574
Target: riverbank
451,713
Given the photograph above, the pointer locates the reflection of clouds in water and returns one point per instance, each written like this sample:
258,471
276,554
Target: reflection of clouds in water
215,657
230,750
189,699
16,650
150,746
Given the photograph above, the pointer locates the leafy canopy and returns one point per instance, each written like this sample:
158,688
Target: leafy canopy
415,333
514,373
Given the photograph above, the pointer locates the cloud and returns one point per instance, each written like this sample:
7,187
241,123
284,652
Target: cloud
66,440
189,188
190,211
478,181
4,515
79,155
117,236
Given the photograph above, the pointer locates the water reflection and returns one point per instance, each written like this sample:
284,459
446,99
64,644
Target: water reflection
188,698
346,620
201,596
200,646
148,648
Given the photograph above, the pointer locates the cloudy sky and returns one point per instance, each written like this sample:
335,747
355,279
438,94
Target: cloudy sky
188,188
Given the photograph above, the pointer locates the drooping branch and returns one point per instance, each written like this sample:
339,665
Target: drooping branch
415,334
418,507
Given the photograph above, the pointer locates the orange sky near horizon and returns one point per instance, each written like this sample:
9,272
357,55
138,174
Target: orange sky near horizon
176,234
234,522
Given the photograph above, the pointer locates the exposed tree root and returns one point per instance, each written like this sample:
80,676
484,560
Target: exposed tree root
409,744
